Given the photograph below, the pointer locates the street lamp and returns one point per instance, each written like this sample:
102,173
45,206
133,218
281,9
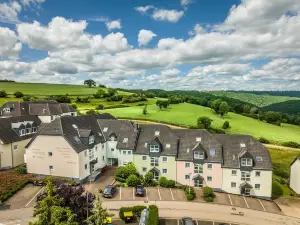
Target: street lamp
190,174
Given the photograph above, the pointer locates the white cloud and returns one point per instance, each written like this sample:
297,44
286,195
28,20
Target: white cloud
145,36
185,2
198,29
115,24
143,9
9,12
167,15
10,47
170,72
34,2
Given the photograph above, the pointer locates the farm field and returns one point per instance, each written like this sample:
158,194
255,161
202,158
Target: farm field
187,114
258,100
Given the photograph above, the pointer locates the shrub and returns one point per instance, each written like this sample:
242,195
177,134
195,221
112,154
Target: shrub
122,172
114,98
148,179
62,98
189,197
18,94
207,192
3,94
82,100
116,106
131,168
163,181
226,125
120,179
132,180
21,169
136,210
99,107
264,140
73,106
91,112
281,170
204,122
153,215
171,183
291,144
208,199
276,190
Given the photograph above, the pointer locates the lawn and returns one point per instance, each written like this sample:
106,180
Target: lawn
186,114
258,100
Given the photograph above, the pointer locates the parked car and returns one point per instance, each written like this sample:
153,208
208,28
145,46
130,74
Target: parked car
187,221
140,191
109,191
38,183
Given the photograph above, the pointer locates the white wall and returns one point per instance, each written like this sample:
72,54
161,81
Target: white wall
45,119
112,154
125,156
265,181
295,176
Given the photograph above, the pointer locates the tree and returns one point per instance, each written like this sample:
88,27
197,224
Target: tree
112,92
204,122
91,112
162,104
102,86
130,167
223,108
132,180
73,105
99,107
226,125
99,94
246,109
148,180
18,94
90,83
98,214
3,94
215,105
145,110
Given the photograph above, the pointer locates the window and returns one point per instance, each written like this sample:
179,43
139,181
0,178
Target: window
34,129
164,171
144,157
165,159
243,145
209,179
154,161
233,172
124,163
146,144
112,149
154,148
15,147
28,130
187,165
156,133
124,152
128,152
198,168
51,168
85,166
168,146
102,146
91,139
144,169
22,132
85,153
112,138
198,139
233,184
187,176
103,158
199,155
257,173
125,140
246,162
257,186
209,166
259,158
50,154
245,176
212,152
105,129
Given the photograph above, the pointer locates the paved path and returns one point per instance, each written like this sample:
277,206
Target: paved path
175,209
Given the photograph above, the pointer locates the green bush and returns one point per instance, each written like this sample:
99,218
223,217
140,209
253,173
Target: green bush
136,210
21,169
148,179
116,106
281,170
276,190
131,168
207,192
153,215
291,144
171,183
18,94
208,199
99,107
264,140
163,181
189,197
226,125
132,180
120,179
3,94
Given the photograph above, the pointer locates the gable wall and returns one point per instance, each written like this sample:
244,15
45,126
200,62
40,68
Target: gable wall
295,176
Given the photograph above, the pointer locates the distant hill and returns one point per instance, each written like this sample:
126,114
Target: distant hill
290,107
273,93
260,100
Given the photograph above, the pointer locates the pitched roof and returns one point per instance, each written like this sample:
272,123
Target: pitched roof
232,148
190,139
149,131
124,130
9,135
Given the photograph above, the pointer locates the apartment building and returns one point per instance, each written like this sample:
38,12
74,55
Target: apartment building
47,111
295,175
15,133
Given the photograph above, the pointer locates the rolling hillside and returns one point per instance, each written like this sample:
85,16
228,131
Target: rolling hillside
187,114
255,99
290,107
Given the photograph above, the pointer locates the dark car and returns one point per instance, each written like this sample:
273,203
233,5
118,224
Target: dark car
38,183
187,221
109,191
139,191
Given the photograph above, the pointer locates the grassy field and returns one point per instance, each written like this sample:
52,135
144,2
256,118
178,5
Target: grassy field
187,114
258,100
50,89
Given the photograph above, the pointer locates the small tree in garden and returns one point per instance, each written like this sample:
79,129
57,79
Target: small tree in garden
226,125
98,214
131,168
132,180
208,194
204,122
148,179
145,110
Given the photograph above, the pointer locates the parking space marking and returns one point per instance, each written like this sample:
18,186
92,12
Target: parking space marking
35,196
120,193
171,194
246,201
262,205
197,222
133,193
214,221
230,199
177,222
158,193
147,194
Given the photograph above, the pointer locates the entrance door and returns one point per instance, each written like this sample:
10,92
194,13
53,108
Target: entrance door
198,183
92,168
156,175
247,191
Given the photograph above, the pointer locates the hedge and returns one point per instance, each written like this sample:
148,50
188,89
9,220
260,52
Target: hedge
136,210
189,192
11,192
120,179
153,215
276,190
291,144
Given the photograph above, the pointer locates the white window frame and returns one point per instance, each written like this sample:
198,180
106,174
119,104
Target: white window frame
144,156
154,148
246,176
129,152
198,168
22,132
234,174
112,149
29,130
257,188
187,165
246,162
187,175
198,155
144,169
233,185
91,139
34,130
154,161
51,169
164,159
15,148
124,163
209,180
124,152
166,171
168,146
210,165
256,173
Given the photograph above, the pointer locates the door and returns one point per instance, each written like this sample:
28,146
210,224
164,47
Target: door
247,191
198,183
92,168
156,175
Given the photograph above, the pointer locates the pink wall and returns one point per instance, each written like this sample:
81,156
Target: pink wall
215,173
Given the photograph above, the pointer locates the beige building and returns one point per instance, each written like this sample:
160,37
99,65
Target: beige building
15,133
295,175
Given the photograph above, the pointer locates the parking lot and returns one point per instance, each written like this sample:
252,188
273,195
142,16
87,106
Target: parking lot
171,194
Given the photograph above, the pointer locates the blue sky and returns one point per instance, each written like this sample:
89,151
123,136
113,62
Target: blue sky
170,44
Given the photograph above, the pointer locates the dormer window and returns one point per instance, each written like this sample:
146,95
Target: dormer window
28,130
6,109
199,155
34,129
156,133
22,132
125,140
105,129
154,148
246,162
243,145
91,139
168,146
198,139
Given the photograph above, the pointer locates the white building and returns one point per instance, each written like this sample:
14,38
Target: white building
295,175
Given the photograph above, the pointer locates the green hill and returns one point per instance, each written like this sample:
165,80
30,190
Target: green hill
290,107
187,114
255,99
